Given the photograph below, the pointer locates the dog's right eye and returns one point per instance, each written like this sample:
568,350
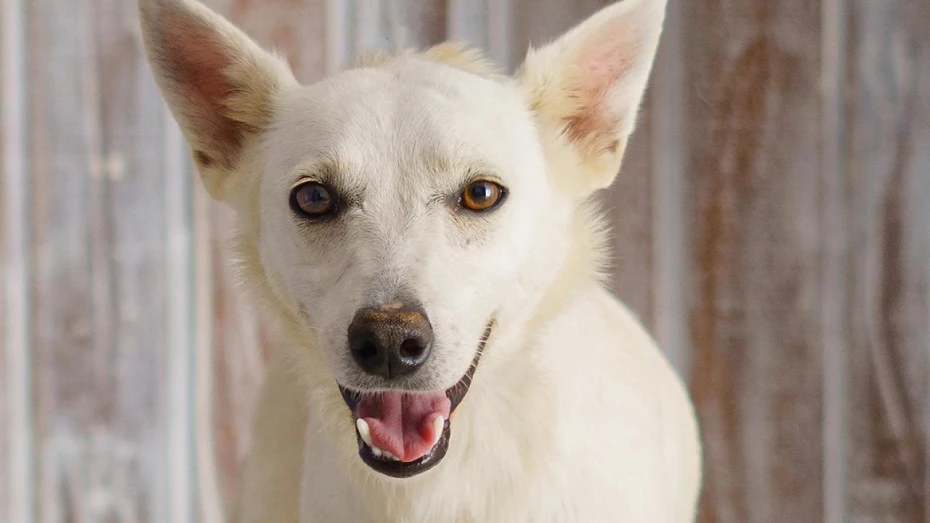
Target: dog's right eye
481,195
313,200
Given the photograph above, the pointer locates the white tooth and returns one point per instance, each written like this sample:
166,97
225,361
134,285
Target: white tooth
363,431
388,455
438,424
376,451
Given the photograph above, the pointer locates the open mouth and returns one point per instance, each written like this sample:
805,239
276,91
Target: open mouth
405,433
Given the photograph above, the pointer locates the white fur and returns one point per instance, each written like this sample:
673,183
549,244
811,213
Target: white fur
573,413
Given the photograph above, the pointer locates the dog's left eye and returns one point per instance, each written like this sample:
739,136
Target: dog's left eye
482,195
313,200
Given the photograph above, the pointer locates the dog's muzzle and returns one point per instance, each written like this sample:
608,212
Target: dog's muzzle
403,433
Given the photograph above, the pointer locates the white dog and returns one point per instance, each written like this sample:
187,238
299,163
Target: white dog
421,228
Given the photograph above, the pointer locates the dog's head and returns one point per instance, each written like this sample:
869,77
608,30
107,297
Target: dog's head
398,214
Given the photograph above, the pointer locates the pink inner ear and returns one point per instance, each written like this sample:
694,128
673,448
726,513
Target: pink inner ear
606,60
608,57
200,67
196,63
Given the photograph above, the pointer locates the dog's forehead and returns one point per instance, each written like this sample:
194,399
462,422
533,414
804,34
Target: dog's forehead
407,112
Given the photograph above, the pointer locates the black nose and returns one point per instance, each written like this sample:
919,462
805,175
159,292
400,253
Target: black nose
391,340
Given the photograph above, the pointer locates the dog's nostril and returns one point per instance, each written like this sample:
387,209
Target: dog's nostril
367,350
412,348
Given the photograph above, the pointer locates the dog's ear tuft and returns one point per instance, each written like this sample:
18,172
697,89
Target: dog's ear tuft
217,82
585,88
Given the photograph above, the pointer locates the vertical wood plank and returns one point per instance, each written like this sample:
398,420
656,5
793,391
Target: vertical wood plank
294,28
369,26
179,324
5,130
467,21
102,306
538,22
672,282
425,21
484,24
752,77
888,177
629,202
16,450
336,42
499,33
834,271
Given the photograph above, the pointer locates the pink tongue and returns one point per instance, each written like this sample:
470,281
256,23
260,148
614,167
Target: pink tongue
403,423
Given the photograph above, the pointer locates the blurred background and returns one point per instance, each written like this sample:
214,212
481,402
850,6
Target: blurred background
771,227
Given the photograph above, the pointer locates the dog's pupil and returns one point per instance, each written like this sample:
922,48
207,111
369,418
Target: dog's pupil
481,192
315,197
317,194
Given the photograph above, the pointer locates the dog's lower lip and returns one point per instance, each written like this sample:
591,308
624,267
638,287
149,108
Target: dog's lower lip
456,394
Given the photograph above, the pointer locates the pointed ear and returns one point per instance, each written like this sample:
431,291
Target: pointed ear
585,88
218,84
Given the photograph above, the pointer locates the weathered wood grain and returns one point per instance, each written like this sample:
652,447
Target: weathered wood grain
295,28
180,328
834,258
752,73
101,245
468,21
538,22
888,189
424,22
629,202
774,198
6,128
671,263
16,450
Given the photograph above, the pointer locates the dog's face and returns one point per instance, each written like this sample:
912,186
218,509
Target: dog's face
431,197
399,213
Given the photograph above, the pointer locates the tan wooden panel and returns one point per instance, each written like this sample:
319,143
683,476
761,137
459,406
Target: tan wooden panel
6,26
629,203
888,189
424,22
99,209
834,257
537,22
15,451
752,138
295,28
468,21
671,263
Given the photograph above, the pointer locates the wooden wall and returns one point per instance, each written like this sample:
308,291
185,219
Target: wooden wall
771,224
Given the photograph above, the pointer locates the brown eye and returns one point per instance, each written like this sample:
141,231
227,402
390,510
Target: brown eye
482,195
313,200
